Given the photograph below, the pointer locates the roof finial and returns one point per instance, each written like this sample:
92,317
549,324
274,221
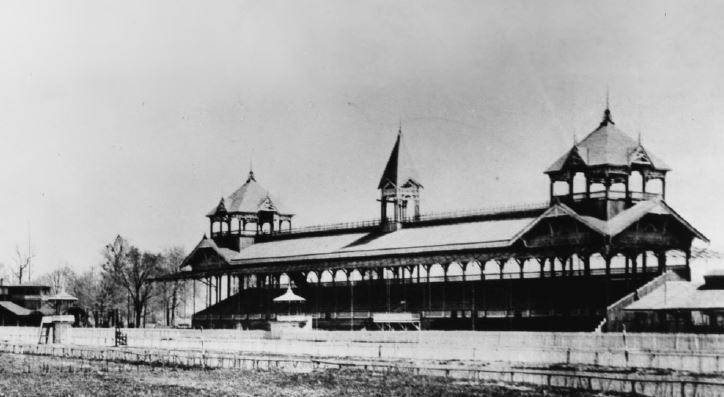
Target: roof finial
607,113
251,171
575,138
399,129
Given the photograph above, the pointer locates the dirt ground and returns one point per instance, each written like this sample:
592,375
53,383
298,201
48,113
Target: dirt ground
50,376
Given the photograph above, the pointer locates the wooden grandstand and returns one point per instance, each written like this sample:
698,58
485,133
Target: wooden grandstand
550,266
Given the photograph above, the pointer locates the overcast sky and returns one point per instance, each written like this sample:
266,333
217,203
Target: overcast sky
135,117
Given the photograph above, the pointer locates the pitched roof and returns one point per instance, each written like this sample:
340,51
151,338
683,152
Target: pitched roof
618,223
251,197
608,145
62,296
399,168
15,309
207,243
680,295
465,235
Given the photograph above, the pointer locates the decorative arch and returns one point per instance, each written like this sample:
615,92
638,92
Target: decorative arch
326,276
312,277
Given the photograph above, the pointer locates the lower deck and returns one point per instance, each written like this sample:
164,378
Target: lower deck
570,303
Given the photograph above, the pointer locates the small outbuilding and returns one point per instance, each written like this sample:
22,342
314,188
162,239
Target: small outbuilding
680,306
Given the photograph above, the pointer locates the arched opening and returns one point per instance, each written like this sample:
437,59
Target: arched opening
597,262
531,268
491,269
284,280
454,272
436,272
579,183
312,278
355,275
340,276
636,181
472,271
618,263
560,188
326,276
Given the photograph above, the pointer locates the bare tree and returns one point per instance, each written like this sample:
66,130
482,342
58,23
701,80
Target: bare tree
22,262
59,279
133,271
172,293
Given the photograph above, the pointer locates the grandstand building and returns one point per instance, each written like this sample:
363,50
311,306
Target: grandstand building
605,232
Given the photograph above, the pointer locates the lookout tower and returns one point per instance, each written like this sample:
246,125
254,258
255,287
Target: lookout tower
249,205
608,161
399,186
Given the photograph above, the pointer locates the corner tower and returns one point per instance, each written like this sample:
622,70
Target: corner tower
230,221
399,186
608,160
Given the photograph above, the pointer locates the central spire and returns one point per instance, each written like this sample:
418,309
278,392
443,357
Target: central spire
399,185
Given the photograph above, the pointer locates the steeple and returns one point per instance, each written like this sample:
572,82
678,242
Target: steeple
399,169
398,185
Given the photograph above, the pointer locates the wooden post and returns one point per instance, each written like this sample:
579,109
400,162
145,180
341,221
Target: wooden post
663,188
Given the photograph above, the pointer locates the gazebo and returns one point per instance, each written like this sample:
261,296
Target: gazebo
290,297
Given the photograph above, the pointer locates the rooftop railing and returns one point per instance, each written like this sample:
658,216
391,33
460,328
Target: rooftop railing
429,217
612,194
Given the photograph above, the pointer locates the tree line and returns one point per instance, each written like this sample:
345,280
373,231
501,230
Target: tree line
120,290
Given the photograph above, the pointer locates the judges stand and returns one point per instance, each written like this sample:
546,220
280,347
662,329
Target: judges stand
60,327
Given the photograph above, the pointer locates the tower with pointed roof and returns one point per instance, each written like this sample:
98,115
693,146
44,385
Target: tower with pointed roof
607,159
251,205
399,187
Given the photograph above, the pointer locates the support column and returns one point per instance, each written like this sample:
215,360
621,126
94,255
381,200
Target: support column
663,188
661,259
429,288
588,188
634,265
521,263
644,262
444,286
551,191
552,261
209,285
542,263
587,264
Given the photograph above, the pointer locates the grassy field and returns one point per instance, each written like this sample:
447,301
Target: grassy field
48,376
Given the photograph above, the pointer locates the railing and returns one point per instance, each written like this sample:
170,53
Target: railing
433,216
502,210
330,227
612,194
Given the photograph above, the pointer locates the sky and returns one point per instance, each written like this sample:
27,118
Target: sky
135,117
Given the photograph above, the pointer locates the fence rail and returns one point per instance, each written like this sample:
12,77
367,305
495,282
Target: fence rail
610,381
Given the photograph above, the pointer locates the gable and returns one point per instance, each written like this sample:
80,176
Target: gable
204,259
